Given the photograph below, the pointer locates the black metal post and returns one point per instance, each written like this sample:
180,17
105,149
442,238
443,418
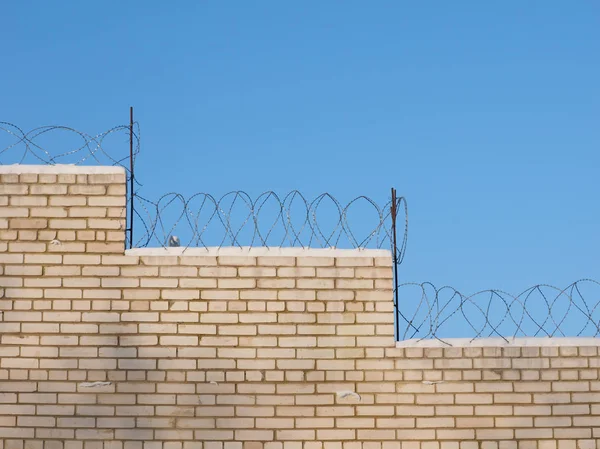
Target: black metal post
131,177
395,261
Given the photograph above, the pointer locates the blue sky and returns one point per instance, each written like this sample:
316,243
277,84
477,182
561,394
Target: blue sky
485,115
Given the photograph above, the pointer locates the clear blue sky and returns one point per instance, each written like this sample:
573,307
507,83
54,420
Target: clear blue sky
485,115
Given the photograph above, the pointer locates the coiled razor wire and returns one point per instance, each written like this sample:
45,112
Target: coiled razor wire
25,147
202,220
269,220
540,311
292,220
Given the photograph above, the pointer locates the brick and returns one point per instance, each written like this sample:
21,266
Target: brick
120,260
67,224
373,273
23,293
296,295
257,272
100,247
26,247
11,282
79,189
81,259
354,262
383,261
28,223
318,284
217,272
157,283
220,294
236,261
100,317
83,282
535,410
355,284
11,212
179,294
276,261
120,282
47,178
275,283
136,271
559,421
575,409
33,235
178,271
315,261
189,317
141,294
118,328
109,201
179,340
254,435
48,212
236,283
7,189
7,432
105,223
138,316
295,272
375,341
199,283
388,318
56,189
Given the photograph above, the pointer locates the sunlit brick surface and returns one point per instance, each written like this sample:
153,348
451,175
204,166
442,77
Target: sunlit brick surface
102,349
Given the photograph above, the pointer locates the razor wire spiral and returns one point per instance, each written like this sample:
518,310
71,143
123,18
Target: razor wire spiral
291,220
539,311
22,147
269,220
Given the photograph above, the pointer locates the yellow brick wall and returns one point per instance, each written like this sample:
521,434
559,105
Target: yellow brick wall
241,350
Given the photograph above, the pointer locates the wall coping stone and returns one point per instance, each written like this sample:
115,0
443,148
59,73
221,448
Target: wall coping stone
258,251
61,169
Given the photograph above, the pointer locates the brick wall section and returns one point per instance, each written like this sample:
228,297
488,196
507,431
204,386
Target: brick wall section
100,349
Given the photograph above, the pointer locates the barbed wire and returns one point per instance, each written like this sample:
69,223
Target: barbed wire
540,311
202,220
269,220
24,147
